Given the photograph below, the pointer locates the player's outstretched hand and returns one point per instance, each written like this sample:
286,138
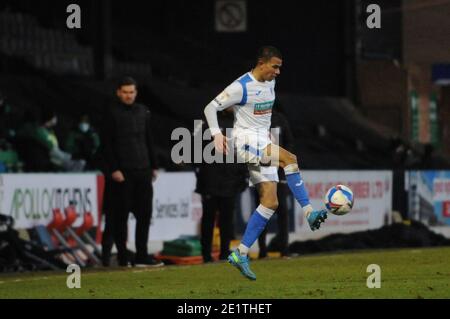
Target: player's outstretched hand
220,143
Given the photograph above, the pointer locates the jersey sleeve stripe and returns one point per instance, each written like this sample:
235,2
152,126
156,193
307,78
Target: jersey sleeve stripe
243,81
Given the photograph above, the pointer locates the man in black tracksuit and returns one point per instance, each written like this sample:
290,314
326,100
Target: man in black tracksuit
132,166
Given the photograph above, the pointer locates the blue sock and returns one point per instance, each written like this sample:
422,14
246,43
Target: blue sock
256,225
296,185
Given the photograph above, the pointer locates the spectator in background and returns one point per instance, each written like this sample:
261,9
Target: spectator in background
10,118
132,167
39,146
83,142
219,184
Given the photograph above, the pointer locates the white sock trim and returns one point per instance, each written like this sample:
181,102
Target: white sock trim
264,211
291,169
243,250
307,210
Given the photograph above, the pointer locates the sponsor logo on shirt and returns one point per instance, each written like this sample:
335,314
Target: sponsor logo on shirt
263,108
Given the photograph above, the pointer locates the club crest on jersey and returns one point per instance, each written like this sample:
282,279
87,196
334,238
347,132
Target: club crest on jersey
263,108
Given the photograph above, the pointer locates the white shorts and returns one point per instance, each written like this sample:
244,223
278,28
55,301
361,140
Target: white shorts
249,147
260,174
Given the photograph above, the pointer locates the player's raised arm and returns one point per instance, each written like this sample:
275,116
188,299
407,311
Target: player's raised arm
229,97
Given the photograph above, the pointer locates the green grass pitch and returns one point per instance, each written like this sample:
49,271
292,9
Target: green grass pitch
405,273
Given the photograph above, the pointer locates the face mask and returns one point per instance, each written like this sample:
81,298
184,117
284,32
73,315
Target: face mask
84,127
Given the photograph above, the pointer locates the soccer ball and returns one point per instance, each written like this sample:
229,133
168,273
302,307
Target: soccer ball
339,200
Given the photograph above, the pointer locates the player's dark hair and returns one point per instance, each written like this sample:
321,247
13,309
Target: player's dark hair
267,52
127,80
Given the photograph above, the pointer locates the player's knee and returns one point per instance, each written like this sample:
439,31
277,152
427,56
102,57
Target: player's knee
274,205
291,158
271,203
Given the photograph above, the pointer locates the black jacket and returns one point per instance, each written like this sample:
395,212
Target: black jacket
127,137
221,179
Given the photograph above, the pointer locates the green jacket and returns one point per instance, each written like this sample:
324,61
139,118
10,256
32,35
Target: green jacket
40,134
82,145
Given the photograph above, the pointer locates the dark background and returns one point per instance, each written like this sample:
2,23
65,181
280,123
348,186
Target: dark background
182,63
